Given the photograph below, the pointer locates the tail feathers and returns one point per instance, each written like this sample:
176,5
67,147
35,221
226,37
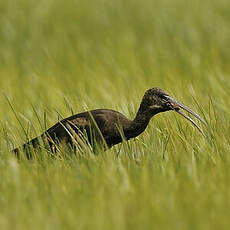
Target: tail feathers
26,148
16,152
22,151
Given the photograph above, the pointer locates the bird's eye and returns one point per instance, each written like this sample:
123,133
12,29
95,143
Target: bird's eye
168,104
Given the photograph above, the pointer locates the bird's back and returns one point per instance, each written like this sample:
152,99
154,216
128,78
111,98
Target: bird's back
99,125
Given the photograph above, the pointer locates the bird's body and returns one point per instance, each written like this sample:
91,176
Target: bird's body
106,123
108,127
101,126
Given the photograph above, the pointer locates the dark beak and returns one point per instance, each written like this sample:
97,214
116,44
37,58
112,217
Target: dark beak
177,106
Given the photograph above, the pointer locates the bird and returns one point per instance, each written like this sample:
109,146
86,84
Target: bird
106,127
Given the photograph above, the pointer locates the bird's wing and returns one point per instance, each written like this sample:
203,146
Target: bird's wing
101,122
77,130
90,127
68,129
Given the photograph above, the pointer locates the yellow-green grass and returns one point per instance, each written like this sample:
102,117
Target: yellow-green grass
63,57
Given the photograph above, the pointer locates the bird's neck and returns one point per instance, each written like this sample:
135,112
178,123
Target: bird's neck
139,124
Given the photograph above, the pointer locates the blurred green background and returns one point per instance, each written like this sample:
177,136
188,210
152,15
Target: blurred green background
63,57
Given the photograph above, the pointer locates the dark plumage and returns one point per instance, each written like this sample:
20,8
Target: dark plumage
108,127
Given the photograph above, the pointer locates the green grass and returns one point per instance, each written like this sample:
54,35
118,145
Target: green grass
63,57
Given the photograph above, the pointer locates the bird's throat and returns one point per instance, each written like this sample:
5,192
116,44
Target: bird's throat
138,125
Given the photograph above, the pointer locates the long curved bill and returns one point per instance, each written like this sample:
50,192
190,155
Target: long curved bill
177,106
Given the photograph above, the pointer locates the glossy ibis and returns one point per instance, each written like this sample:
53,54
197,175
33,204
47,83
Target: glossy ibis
108,127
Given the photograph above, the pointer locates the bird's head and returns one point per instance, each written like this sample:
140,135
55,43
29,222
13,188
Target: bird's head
157,100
